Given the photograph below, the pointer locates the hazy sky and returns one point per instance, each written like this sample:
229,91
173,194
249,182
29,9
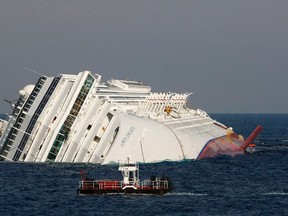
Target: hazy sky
232,54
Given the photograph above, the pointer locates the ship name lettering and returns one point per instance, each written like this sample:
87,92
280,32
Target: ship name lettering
128,134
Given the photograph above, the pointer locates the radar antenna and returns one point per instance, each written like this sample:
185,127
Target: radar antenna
11,102
36,72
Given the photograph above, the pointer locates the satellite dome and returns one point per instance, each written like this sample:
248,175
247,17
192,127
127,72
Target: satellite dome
27,90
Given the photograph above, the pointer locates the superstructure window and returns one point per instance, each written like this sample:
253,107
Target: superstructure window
110,116
97,139
115,134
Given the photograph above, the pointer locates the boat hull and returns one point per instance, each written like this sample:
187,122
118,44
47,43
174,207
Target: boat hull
122,191
80,119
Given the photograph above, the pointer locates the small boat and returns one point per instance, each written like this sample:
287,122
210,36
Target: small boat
251,148
130,184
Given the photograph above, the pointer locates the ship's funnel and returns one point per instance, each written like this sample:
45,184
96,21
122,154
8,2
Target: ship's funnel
252,136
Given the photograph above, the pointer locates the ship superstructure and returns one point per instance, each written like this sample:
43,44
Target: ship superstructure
78,118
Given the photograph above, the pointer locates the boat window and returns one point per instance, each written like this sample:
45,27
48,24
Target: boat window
110,116
131,176
97,139
114,134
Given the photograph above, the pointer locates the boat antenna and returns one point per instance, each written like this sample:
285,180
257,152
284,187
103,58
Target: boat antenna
36,72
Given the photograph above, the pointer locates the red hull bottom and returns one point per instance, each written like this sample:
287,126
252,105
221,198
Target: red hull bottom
228,145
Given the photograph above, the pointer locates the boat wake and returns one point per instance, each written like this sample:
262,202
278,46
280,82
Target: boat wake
276,193
278,147
186,194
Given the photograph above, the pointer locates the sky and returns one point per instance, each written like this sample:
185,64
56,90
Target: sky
232,55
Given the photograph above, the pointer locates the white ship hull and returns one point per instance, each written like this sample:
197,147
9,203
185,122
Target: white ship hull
76,118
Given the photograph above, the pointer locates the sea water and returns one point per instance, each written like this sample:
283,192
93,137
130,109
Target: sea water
250,184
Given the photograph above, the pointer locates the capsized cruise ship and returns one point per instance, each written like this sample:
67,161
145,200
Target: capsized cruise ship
80,119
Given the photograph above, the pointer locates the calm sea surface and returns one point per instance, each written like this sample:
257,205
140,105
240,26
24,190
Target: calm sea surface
251,184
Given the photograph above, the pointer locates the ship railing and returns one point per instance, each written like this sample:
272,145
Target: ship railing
158,183
202,113
110,184
100,185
